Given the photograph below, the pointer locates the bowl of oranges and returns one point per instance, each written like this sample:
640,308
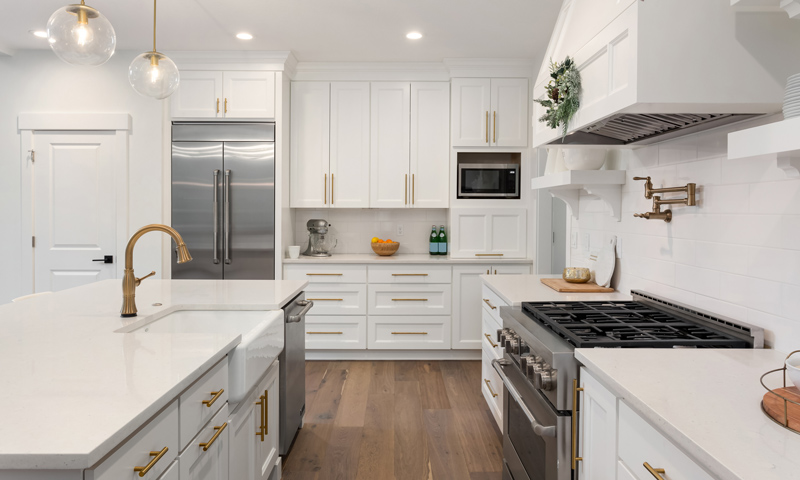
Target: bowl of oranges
384,248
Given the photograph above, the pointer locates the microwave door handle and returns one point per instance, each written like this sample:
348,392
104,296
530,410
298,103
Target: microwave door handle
538,428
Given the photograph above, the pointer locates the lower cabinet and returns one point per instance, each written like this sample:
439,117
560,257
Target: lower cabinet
207,455
173,472
336,332
597,430
254,431
415,332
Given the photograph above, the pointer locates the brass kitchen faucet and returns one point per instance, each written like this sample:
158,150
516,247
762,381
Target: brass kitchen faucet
666,215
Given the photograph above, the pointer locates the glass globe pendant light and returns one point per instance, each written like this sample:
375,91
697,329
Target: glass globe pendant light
80,35
153,74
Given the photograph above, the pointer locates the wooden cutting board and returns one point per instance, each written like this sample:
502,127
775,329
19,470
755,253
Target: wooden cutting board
774,406
561,285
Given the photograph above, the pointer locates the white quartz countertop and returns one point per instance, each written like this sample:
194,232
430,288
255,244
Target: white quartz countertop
707,401
515,289
73,389
405,258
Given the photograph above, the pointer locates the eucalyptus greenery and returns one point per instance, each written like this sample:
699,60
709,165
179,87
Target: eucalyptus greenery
563,95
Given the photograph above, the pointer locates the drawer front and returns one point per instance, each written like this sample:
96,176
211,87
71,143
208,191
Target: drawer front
623,472
206,456
317,273
159,434
410,274
491,303
639,442
331,299
336,332
409,333
489,336
201,401
491,385
432,299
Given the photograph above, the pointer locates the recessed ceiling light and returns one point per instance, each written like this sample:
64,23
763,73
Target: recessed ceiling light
414,36
39,33
244,36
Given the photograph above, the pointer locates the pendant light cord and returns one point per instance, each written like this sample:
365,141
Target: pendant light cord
154,25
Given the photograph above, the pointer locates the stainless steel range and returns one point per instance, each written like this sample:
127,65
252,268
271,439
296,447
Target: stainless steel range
540,373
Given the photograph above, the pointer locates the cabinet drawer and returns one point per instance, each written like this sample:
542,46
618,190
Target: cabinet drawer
208,452
200,402
410,274
489,336
160,434
492,387
332,299
639,442
317,273
336,332
489,299
409,333
434,299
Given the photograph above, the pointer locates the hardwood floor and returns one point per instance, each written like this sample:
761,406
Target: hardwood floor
403,420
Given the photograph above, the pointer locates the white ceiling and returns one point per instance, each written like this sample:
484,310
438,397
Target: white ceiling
315,30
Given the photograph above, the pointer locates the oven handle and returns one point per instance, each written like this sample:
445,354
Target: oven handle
538,428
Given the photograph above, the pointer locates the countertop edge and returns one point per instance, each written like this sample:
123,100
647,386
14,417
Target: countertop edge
400,259
486,279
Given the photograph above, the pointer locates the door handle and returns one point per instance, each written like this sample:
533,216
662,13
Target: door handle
227,233
538,428
494,127
306,304
105,259
215,239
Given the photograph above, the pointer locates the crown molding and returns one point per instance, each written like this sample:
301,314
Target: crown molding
234,60
490,67
372,71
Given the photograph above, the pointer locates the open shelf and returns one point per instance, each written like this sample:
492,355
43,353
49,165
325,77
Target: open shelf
567,186
779,138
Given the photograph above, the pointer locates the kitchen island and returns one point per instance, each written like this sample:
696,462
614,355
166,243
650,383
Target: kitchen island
75,387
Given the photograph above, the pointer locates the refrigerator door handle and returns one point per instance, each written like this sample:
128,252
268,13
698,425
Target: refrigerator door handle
227,233
215,238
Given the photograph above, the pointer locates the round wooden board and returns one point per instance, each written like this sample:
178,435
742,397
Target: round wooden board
774,406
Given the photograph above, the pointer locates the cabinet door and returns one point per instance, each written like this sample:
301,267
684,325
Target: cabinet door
598,430
470,112
349,148
467,308
469,235
509,114
310,144
485,232
430,147
206,457
249,94
389,152
198,96
267,450
507,232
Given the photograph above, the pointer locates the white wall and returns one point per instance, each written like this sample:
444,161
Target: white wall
37,81
736,254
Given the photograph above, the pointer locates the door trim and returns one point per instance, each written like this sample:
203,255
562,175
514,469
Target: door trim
28,124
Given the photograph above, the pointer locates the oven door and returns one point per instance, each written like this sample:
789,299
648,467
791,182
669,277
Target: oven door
488,180
535,437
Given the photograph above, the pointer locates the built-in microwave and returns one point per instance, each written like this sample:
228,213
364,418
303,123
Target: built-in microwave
488,180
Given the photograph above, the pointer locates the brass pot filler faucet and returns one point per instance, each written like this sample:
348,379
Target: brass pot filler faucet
129,281
666,215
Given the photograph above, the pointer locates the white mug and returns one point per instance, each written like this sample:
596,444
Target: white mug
294,251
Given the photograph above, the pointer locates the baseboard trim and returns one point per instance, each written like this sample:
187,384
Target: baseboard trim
393,354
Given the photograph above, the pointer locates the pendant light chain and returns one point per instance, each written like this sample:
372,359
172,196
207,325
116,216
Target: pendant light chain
154,25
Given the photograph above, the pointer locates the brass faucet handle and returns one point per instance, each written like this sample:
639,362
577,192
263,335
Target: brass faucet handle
140,280
642,215
646,179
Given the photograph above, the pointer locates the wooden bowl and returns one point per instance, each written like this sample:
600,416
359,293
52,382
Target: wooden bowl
385,249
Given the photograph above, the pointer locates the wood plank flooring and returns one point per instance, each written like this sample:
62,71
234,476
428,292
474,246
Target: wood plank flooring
403,420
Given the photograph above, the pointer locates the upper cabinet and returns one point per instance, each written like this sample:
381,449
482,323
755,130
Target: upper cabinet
390,132
310,144
349,145
215,94
489,112
430,145
488,232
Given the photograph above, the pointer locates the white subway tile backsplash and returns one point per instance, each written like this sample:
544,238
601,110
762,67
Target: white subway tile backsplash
723,257
698,280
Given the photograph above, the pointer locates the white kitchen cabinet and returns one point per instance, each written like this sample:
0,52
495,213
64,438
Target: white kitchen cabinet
597,430
207,455
488,232
390,148
492,388
349,144
172,473
430,146
230,94
254,431
409,299
336,332
489,112
412,332
310,144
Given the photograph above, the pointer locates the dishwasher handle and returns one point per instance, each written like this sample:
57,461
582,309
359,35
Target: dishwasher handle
538,428
306,304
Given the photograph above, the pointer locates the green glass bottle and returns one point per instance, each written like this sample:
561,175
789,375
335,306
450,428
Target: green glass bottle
434,241
442,241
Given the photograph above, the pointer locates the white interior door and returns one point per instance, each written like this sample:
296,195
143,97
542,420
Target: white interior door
74,204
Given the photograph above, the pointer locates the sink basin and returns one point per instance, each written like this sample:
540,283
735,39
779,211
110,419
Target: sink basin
262,340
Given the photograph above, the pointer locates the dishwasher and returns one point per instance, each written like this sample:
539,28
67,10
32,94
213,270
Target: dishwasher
293,370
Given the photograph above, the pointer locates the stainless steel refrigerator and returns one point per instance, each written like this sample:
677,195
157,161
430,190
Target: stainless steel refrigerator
223,199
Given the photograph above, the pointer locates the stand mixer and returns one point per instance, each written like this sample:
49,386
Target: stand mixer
320,242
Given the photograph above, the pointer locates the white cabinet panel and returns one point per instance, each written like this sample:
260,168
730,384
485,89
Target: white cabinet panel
310,144
507,229
470,234
389,157
471,103
206,457
193,412
416,274
492,388
430,145
598,430
249,94
504,269
337,299
336,332
623,472
349,144
409,333
491,303
199,95
489,232
509,100
318,273
433,299
467,306
489,335
172,473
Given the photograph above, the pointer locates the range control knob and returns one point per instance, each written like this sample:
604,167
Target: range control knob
528,359
545,380
523,348
534,368
514,344
502,332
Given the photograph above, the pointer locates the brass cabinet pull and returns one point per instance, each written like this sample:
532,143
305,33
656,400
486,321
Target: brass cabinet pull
488,272
157,456
654,471
218,105
487,126
325,190
266,412
489,337
226,105
219,430
325,274
324,333
332,200
413,188
260,432
409,333
409,274
409,299
325,299
490,304
494,127
575,457
495,272
489,386
216,394
489,254
406,185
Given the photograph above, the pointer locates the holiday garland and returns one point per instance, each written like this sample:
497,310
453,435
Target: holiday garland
563,95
